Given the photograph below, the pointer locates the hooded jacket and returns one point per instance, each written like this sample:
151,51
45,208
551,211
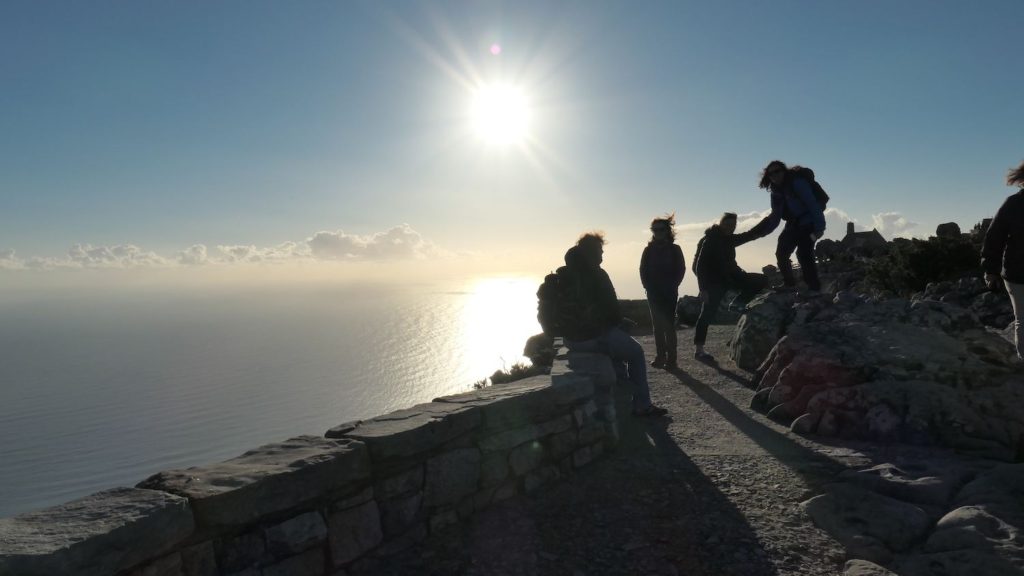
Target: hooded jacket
715,261
1003,251
588,306
662,268
794,202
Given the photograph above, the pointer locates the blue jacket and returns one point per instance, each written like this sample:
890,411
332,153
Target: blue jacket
795,203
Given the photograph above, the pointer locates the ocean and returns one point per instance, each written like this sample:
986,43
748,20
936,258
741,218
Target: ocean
102,389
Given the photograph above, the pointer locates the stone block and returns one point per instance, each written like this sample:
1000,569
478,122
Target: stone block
849,512
296,535
199,560
270,479
400,514
585,414
592,433
309,563
518,404
403,542
169,565
442,520
451,477
562,444
526,457
582,457
361,497
353,531
494,468
400,484
247,550
101,534
417,430
507,490
507,439
540,477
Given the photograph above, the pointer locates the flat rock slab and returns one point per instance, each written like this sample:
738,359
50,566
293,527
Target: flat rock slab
269,479
417,430
849,513
97,535
917,482
529,400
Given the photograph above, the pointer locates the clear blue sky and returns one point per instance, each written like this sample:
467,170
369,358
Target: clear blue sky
166,125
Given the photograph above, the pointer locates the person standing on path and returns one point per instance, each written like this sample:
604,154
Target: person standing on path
1003,252
591,321
793,200
717,273
662,268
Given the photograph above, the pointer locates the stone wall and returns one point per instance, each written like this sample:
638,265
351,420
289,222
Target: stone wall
321,505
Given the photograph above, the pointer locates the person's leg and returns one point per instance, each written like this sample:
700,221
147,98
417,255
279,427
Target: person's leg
783,250
1016,292
709,308
808,266
671,342
623,347
659,331
750,285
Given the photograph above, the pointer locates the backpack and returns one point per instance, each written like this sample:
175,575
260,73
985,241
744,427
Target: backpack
547,305
819,193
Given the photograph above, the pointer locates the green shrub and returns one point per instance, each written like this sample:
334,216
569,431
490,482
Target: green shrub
911,264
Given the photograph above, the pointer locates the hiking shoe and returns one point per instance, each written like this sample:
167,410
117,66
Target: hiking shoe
703,356
650,411
670,365
658,363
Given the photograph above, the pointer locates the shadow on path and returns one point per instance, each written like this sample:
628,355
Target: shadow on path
796,456
645,508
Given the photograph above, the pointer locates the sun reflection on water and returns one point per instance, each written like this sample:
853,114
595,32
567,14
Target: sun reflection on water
500,314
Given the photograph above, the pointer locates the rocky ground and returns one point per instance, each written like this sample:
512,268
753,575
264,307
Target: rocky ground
717,488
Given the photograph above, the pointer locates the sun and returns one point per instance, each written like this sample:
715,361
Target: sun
500,114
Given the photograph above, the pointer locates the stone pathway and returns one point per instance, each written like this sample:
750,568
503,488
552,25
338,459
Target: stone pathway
712,489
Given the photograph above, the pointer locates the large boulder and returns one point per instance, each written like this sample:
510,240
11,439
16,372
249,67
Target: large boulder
764,322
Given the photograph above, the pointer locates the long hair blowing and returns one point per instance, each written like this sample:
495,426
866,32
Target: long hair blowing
1015,177
667,220
766,182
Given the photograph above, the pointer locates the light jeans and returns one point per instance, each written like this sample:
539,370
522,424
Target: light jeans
1016,292
622,348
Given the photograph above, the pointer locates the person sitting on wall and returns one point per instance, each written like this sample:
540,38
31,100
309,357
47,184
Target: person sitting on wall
591,321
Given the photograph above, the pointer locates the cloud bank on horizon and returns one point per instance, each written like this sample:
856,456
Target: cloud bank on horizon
397,244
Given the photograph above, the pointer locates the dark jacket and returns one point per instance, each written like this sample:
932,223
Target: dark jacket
715,261
662,268
1003,252
588,305
794,202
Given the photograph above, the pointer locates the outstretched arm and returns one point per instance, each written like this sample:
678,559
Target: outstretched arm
770,222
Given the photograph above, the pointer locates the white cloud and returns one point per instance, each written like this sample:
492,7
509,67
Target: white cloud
892,224
398,243
117,256
193,256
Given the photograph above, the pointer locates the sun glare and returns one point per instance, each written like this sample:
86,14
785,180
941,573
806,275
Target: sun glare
500,114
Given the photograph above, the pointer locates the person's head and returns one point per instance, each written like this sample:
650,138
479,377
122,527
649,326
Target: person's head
591,247
773,174
662,229
727,222
1015,177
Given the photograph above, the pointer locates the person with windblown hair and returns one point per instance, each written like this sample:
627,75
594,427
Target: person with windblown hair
662,268
1003,252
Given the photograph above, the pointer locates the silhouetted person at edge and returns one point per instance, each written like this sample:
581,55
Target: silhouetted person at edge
793,201
662,268
590,319
717,273
1003,252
